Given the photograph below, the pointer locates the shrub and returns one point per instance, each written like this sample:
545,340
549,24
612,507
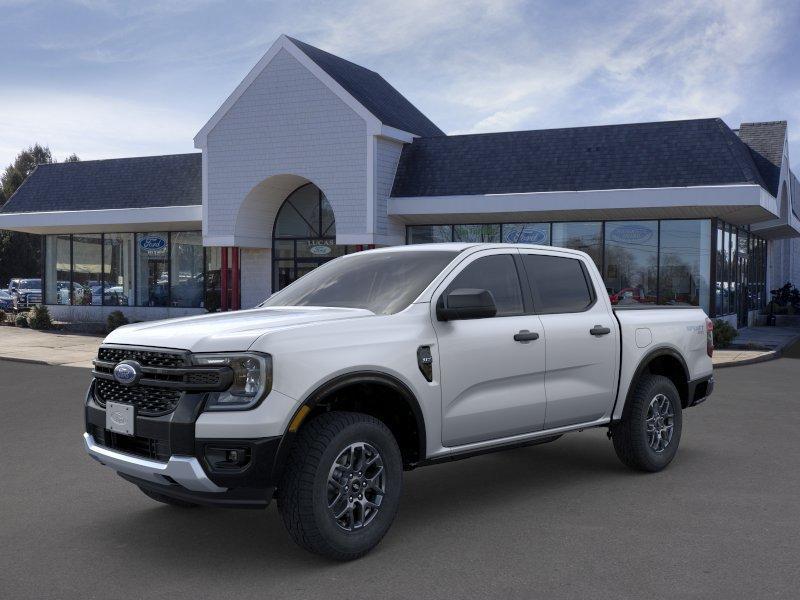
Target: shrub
115,319
724,333
2,317
39,318
21,320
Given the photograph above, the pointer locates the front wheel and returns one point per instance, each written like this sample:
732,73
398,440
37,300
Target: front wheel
648,435
341,485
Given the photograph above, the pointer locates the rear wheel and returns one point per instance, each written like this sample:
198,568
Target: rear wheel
648,435
341,486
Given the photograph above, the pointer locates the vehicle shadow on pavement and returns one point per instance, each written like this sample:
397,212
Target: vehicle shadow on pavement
222,539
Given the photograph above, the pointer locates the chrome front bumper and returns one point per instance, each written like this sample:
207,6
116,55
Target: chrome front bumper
183,470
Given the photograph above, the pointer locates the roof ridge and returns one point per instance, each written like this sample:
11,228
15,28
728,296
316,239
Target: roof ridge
96,160
336,56
730,140
607,125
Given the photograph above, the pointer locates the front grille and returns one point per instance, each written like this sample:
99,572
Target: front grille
149,401
146,358
152,448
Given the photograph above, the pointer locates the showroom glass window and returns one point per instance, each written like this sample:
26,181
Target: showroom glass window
87,251
152,277
57,269
631,262
476,233
118,262
429,234
586,237
186,275
685,261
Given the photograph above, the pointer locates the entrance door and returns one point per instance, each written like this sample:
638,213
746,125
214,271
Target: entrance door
304,236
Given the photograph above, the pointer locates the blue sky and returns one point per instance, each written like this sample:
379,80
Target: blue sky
108,79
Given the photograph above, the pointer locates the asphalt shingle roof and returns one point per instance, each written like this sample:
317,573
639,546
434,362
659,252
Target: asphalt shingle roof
640,155
170,180
375,93
766,141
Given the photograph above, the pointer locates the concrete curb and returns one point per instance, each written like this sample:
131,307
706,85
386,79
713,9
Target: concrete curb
32,361
772,355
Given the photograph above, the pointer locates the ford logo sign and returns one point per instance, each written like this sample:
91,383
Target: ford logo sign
127,373
629,234
320,250
532,236
152,243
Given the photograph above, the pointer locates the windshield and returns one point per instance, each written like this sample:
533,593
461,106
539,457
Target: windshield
382,282
30,284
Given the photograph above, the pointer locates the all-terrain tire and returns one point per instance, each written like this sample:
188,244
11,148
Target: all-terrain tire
166,499
304,492
633,445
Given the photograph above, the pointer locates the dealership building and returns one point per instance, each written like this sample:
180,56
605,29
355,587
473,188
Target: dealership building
312,157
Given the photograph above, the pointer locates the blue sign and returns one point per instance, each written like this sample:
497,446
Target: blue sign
533,236
152,243
631,234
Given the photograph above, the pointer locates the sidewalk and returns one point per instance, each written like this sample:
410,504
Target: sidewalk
48,347
756,344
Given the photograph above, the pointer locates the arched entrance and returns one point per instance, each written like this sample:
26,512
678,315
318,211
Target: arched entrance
304,235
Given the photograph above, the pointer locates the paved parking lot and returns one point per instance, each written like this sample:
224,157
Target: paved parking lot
563,520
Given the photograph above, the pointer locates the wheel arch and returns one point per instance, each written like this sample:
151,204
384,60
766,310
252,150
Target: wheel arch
664,361
398,409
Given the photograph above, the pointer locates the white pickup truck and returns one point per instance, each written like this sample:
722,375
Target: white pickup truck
388,360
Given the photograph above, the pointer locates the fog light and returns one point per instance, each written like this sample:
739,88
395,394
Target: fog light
227,458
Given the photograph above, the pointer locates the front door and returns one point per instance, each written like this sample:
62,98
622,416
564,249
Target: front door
492,385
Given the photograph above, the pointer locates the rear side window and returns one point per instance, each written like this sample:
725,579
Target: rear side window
498,274
559,284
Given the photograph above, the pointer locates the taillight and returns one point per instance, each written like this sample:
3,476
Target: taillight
709,337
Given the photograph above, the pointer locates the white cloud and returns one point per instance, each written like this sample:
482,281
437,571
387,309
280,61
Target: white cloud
91,126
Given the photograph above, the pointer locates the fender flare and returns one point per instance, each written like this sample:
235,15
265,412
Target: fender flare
643,364
337,383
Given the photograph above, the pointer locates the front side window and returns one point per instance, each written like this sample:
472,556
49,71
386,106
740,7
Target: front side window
152,281
498,275
559,284
381,282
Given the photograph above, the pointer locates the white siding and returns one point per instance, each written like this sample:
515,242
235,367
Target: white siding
286,122
255,275
387,159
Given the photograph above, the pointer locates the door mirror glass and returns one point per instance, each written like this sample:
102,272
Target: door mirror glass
465,303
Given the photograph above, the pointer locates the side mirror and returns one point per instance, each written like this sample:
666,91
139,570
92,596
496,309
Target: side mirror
465,304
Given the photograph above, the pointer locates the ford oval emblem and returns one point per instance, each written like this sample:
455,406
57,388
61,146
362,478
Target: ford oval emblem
630,234
152,243
127,373
118,417
320,250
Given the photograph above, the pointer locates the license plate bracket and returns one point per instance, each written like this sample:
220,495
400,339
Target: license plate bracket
120,418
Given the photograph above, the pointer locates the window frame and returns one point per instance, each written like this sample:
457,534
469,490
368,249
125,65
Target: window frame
593,296
445,283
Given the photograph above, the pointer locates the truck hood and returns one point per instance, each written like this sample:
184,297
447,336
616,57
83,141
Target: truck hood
222,332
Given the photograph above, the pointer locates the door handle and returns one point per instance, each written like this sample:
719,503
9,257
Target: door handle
599,330
526,336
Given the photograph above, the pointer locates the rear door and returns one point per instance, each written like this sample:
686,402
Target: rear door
582,338
492,384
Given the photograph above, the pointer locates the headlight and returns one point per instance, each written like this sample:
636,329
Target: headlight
252,379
